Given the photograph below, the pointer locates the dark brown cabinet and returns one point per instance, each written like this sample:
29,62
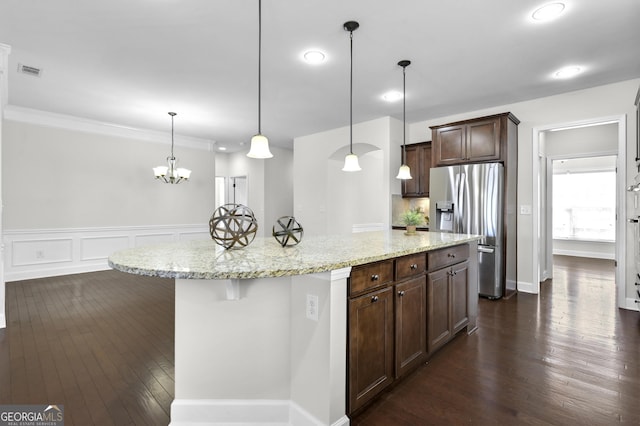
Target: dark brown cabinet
371,345
472,141
418,158
410,324
438,313
447,289
400,311
458,282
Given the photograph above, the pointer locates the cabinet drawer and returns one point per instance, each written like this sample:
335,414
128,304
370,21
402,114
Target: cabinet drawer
370,276
447,256
411,265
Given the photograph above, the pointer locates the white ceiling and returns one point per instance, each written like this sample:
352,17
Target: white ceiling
129,62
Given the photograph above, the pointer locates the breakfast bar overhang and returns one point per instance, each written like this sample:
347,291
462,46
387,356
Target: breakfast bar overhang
248,346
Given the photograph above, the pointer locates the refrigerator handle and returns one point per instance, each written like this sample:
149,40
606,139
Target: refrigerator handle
460,202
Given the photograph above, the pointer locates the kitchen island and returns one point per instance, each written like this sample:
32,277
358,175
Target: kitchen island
261,332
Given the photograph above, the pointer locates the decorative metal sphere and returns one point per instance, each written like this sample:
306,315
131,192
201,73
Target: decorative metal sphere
233,224
288,230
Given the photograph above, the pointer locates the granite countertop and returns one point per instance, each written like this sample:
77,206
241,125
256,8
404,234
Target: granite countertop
264,257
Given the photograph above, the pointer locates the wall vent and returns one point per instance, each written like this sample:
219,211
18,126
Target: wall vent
32,71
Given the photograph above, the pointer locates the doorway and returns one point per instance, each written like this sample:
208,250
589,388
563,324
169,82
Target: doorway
542,210
231,190
582,198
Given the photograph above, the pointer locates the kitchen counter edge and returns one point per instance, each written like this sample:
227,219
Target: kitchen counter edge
264,258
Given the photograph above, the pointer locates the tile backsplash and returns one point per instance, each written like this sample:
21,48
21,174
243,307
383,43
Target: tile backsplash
399,205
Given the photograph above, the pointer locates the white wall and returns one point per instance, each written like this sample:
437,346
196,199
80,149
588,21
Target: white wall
602,101
76,190
582,142
330,201
278,187
60,178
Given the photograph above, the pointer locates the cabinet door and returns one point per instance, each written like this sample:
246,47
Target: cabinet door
438,319
483,140
449,145
410,324
412,187
458,288
370,346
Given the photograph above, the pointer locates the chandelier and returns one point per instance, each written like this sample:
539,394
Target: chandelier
171,173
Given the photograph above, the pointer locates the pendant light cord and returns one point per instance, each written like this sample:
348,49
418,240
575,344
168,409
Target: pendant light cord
351,97
404,115
259,66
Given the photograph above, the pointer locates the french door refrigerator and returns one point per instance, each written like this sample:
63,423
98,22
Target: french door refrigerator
469,199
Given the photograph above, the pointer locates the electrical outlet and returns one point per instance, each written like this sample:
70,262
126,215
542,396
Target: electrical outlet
312,307
525,209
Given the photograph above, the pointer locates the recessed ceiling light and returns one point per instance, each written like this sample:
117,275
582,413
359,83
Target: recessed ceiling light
568,72
392,96
314,57
222,148
548,12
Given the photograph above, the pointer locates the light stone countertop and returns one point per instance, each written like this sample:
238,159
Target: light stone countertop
264,257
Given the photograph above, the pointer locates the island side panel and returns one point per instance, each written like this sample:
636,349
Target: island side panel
318,362
232,354
472,287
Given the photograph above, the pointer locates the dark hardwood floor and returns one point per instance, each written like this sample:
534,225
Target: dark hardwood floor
567,357
101,344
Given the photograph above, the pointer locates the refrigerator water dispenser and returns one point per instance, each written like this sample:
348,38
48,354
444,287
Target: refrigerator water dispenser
444,216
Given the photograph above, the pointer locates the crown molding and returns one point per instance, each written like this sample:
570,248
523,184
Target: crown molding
69,122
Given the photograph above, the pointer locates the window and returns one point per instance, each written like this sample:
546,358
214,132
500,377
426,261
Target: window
584,205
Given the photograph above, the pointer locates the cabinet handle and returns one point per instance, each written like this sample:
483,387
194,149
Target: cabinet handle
401,293
413,266
375,277
374,299
452,255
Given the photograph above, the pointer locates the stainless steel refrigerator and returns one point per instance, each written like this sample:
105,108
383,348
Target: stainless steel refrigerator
469,199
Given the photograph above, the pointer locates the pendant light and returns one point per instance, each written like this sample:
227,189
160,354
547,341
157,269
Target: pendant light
351,160
171,174
404,172
259,142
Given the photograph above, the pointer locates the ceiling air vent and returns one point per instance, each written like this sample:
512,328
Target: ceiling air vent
32,71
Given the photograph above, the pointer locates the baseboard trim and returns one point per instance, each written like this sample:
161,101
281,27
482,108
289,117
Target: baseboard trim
588,254
227,412
631,305
525,287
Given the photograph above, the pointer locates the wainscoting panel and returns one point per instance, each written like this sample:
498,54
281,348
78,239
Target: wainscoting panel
94,248
39,253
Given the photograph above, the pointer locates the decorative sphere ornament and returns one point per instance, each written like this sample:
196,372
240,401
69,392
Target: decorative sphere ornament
233,224
287,230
